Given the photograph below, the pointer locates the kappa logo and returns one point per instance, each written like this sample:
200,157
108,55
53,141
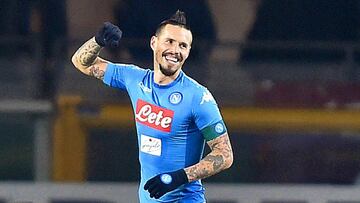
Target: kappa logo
154,116
143,87
207,97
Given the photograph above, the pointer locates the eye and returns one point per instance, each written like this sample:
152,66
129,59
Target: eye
183,46
170,41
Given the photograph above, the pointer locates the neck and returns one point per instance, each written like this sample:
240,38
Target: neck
162,79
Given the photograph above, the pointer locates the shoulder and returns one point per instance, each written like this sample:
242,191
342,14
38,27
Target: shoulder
199,92
192,84
120,75
127,69
127,66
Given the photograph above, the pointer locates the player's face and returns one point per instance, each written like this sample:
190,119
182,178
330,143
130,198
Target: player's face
171,48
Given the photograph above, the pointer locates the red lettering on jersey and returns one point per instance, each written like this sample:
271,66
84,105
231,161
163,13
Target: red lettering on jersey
154,116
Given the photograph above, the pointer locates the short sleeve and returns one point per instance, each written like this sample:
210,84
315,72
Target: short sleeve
119,75
207,115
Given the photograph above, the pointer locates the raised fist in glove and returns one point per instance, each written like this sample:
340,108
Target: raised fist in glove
109,35
165,182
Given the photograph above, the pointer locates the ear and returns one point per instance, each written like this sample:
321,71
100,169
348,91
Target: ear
152,42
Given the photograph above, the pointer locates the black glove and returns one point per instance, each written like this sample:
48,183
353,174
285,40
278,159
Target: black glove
109,35
165,182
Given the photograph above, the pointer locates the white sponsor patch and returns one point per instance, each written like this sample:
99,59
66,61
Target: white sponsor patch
150,145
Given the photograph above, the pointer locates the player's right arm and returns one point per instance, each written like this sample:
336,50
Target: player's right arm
86,58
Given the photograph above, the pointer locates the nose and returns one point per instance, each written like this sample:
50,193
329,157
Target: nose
175,48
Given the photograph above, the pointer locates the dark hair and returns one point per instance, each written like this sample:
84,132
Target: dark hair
178,19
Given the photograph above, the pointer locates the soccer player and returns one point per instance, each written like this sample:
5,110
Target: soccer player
174,114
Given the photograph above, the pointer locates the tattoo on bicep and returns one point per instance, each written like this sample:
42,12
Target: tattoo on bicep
88,52
227,149
97,72
223,145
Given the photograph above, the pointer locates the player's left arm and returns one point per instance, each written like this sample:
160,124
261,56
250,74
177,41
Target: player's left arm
219,159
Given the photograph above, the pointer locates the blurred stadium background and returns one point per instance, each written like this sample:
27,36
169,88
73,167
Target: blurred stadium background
286,74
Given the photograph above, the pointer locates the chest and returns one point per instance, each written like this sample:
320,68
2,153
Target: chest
166,110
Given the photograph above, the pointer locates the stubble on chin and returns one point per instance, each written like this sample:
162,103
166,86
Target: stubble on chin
167,72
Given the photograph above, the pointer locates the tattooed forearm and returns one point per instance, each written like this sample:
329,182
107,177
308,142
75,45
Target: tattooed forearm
97,72
217,161
87,53
209,166
86,59
220,158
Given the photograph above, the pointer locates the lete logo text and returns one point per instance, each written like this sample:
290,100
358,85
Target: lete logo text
153,116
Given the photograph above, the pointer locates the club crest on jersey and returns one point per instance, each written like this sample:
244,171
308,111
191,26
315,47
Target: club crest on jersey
154,116
175,98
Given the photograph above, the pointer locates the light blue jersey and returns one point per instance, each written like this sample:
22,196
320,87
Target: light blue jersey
173,123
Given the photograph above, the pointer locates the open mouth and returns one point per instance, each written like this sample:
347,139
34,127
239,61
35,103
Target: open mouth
172,59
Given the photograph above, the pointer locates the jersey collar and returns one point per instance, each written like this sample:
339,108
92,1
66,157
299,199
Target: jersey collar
178,78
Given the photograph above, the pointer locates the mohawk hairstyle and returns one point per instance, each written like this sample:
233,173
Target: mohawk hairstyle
178,19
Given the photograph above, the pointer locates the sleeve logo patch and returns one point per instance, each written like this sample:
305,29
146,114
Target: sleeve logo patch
207,97
150,145
219,128
154,116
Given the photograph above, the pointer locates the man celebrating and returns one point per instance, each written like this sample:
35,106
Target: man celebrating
174,114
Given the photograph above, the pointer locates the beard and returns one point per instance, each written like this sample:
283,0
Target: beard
167,72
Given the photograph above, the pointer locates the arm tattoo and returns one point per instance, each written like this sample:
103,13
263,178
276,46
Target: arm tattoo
218,159
88,52
97,72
